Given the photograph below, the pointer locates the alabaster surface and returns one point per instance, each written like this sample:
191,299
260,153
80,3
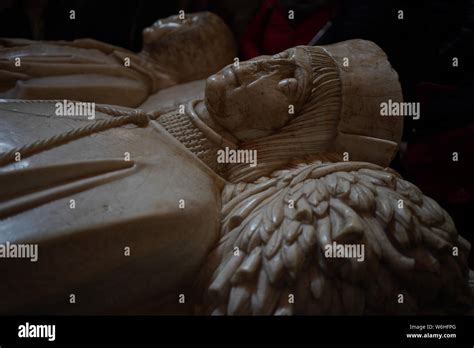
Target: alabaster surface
250,239
283,252
118,204
170,99
174,51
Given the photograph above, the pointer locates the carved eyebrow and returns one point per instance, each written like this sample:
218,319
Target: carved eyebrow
276,63
281,61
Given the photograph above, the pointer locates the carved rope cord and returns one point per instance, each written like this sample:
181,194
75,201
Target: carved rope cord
122,117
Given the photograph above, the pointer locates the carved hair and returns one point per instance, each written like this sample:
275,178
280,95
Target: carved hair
310,132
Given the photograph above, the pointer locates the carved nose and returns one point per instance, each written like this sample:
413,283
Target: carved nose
215,79
153,34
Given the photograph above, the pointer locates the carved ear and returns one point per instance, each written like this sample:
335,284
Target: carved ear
288,86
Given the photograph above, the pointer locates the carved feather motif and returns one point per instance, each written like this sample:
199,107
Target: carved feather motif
271,257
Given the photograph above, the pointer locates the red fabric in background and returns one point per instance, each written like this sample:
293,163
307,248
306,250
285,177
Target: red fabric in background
271,32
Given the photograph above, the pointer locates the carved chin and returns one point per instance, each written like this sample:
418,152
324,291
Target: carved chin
214,99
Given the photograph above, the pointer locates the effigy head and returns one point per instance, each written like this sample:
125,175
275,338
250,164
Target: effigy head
309,100
191,46
257,97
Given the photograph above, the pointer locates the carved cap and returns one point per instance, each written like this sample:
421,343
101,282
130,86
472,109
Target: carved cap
367,80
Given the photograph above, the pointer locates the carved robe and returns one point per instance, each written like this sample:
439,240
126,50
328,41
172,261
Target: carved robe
84,69
87,207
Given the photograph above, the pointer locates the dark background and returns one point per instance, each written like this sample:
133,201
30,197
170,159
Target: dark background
420,47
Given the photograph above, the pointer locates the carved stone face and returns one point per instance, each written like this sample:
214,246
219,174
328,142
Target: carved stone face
256,97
